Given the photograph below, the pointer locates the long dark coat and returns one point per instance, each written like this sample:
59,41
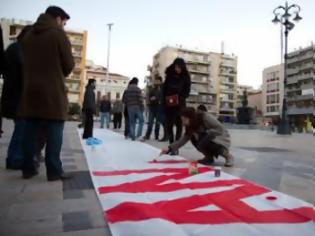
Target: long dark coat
47,59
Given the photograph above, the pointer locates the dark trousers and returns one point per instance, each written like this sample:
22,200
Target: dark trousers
88,124
154,115
41,139
126,116
205,145
117,120
53,147
173,118
15,149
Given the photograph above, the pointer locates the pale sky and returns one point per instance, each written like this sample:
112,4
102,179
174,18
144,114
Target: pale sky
142,27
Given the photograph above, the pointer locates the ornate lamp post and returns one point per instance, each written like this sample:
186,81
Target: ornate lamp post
283,15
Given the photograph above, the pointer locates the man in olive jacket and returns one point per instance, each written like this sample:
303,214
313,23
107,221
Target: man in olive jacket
47,59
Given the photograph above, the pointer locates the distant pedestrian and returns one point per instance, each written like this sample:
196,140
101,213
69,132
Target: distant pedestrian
176,89
47,61
133,99
154,100
105,109
10,99
118,108
89,106
126,118
207,134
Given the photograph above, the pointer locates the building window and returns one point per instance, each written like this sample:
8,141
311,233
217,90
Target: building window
108,96
12,30
117,95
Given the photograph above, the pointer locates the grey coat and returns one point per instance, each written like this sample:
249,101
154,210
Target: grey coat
211,126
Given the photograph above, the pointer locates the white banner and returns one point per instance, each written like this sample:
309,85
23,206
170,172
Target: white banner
142,197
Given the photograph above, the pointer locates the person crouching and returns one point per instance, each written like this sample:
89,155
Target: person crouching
206,133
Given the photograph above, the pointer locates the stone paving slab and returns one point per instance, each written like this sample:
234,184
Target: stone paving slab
38,207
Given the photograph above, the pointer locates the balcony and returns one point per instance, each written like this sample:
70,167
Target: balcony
307,66
201,99
292,71
196,79
77,54
198,71
306,76
227,82
196,60
292,80
300,98
77,42
294,110
301,57
228,64
229,91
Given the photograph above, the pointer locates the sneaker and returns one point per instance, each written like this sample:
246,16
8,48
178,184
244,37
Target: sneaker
206,161
229,161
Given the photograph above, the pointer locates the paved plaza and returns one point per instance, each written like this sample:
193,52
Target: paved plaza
38,207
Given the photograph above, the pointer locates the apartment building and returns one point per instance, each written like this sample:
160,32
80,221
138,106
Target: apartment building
75,81
272,91
224,74
113,87
300,89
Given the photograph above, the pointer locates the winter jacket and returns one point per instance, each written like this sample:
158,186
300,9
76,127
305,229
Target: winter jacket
212,127
179,86
118,107
47,61
12,84
105,106
89,99
154,96
133,96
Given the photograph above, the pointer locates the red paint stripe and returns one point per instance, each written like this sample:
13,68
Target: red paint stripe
168,162
144,171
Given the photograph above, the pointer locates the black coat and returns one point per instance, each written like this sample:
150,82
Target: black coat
174,85
89,102
12,86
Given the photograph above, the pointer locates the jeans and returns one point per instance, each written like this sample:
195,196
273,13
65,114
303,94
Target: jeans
105,117
53,146
15,149
154,114
135,114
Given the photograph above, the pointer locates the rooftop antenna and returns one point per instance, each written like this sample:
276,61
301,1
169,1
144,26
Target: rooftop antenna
222,47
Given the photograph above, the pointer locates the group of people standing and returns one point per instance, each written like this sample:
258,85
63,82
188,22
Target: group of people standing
166,103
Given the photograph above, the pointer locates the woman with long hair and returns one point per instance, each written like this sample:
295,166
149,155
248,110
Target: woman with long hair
206,133
176,89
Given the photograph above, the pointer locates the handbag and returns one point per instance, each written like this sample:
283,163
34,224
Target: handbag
172,100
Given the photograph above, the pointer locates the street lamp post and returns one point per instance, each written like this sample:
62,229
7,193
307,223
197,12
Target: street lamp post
283,16
108,49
